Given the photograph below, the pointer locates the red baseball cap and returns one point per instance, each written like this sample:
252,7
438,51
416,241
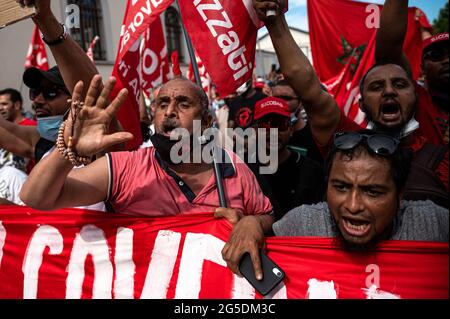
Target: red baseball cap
271,105
437,38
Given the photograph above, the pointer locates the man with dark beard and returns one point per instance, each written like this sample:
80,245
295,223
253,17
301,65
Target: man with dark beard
387,97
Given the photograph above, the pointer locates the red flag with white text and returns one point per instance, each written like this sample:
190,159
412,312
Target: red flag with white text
139,15
155,68
224,36
73,254
36,56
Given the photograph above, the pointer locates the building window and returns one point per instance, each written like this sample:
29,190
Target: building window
173,32
91,21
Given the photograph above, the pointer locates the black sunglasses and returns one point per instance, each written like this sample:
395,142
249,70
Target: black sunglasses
436,54
48,93
380,144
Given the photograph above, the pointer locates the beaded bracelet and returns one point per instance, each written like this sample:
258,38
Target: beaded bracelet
68,153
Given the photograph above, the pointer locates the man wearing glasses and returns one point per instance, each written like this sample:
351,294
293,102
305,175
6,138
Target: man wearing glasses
366,173
49,96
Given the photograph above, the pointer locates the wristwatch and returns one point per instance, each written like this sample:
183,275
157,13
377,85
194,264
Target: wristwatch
58,40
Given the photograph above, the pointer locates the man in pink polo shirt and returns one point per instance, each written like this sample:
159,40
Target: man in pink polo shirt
147,182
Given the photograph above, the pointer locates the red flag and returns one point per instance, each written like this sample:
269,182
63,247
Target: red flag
127,72
341,29
36,56
155,69
139,15
204,76
90,50
224,36
72,253
175,63
343,47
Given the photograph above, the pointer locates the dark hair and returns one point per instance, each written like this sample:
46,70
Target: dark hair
361,83
400,161
15,95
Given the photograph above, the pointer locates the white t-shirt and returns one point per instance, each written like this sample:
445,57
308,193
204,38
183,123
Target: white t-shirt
11,181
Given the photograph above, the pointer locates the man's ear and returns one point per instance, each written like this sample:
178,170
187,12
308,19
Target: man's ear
17,106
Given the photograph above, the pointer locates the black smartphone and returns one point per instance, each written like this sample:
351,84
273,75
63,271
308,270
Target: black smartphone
272,273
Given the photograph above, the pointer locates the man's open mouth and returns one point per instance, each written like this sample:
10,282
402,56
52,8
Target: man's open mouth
356,227
167,128
390,110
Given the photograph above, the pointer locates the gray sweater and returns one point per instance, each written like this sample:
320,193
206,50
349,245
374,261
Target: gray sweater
415,220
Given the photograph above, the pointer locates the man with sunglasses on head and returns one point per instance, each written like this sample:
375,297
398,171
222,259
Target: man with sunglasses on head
388,99
365,175
298,180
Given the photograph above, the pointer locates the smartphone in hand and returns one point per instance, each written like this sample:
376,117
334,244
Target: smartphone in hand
272,273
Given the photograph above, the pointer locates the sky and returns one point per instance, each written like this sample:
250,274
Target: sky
297,16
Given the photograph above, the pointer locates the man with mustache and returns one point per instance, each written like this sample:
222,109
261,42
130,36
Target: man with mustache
387,97
366,174
433,103
148,182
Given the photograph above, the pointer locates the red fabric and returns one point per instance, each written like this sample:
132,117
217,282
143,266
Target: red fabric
330,20
204,76
36,56
433,121
224,37
340,29
155,68
126,71
27,122
90,50
174,58
138,17
52,255
137,173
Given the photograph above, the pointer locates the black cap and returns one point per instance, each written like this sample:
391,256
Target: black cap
33,77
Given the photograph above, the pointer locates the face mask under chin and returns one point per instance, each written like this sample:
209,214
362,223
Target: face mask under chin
163,145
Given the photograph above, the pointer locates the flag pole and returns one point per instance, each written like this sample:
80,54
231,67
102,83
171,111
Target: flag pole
215,150
190,48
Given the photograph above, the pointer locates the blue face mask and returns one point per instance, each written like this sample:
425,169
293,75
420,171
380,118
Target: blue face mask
48,127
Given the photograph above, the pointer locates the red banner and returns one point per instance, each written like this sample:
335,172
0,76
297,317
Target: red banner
139,15
155,68
36,56
76,254
224,36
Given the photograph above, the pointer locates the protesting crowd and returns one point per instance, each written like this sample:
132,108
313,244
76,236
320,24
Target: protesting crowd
278,156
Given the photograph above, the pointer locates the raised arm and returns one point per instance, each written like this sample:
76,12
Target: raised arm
17,139
323,112
53,183
392,33
72,61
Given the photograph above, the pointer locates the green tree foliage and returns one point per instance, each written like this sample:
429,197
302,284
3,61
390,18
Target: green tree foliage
441,23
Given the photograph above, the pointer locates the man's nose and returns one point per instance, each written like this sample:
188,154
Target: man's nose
389,90
353,203
171,110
